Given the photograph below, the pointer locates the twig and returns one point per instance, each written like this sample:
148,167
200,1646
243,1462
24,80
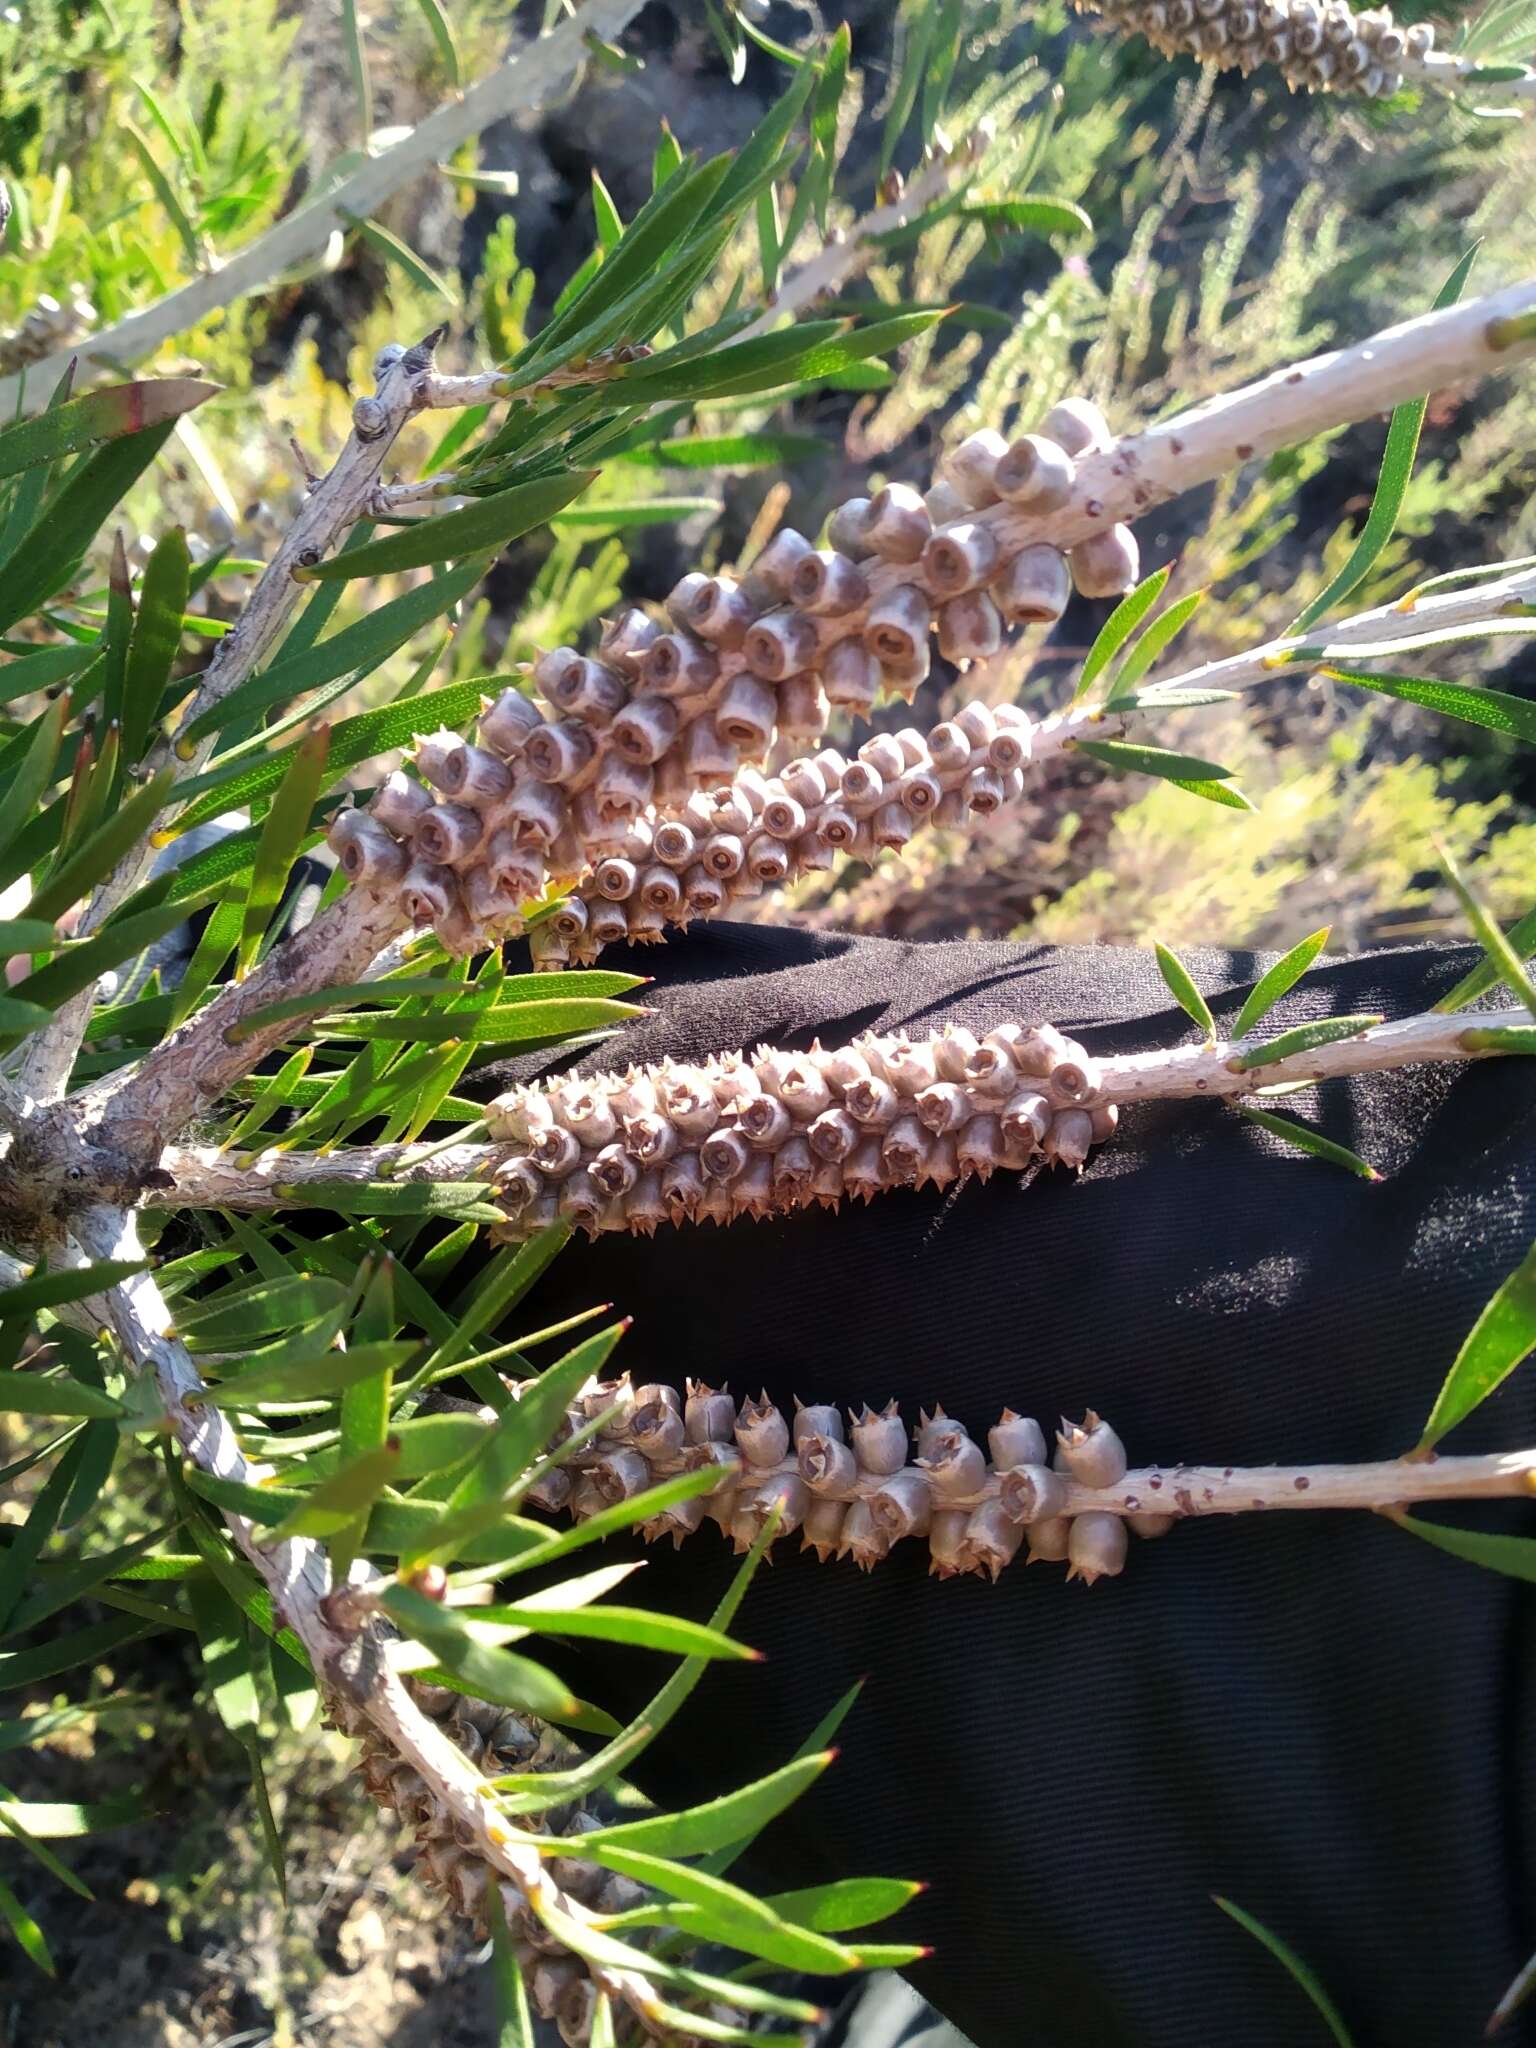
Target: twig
350,1661
525,79
204,1177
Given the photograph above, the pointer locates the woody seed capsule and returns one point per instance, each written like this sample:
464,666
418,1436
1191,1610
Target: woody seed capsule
901,1505
1037,474
850,675
506,724
825,1465
779,644
991,1539
1091,1451
1096,1547
1077,425
827,584
879,1441
960,558
1106,564
897,525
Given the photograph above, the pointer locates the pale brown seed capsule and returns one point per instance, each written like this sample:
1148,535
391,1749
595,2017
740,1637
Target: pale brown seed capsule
622,788
777,563
682,1186
682,1519
762,1434
793,1168
624,639
952,1053
983,789
779,644
679,599
505,724
551,669
879,1441
816,1419
949,749
615,879
846,527
722,855
753,1192
586,1113
570,920
428,891
827,1182
833,1134
397,803
576,2011
902,1504
1016,1440
932,1429
745,715
863,790
1031,1492
471,775
534,814
1069,1137
883,754
674,843
703,895
897,525
1026,1118
1013,743
864,1170
1096,1547
897,625
971,469
850,676
970,627
721,611
678,665
614,1171
803,708
1106,564
808,782
945,504
650,1138
1091,1451
827,584
709,1414
554,1151
991,1540
765,1123
946,1542
872,1102
943,1107
1077,425
954,1464
644,1206
1149,1525
558,753
724,1156
767,859
960,558
821,1529
1035,587
450,833
891,825
590,692
687,1100
1074,1078
660,890
1048,1541
979,1147
366,852
607,924
1104,1120
1037,474
431,751
861,1538
904,1150
644,730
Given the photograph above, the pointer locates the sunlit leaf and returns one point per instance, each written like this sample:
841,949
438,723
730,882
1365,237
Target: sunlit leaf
1503,1334
1283,976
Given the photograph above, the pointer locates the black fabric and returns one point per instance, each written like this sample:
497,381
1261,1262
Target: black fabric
1315,1715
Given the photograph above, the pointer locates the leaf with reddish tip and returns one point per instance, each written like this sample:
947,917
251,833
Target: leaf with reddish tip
98,416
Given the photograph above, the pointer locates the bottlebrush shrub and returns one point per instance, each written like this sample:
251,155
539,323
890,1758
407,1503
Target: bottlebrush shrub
328,1507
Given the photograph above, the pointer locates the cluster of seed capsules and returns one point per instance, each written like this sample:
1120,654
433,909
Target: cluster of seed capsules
857,1491
1317,47
763,1133
657,727
496,1742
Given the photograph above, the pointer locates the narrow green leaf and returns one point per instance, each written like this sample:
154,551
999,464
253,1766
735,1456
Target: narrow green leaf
441,31
1500,1038
25,1929
492,1673
732,1916
98,416
845,1904
1303,1038
400,256
346,1494
62,1820
514,2021
156,640
357,64
76,1283
1502,1336
1154,642
498,1024
85,865
27,1541
1503,957
282,835
1514,1556
1118,628
635,1625
28,1393
614,516
270,1835
1040,216
1137,760
33,775
1303,1975
1305,1139
1284,975
1520,940
720,1822
321,1373
166,193
488,524
1391,486
82,964
1214,792
224,1639
721,451
1180,985
1494,710
67,1653
18,1018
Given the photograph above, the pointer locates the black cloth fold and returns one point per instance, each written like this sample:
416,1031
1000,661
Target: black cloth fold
1314,1715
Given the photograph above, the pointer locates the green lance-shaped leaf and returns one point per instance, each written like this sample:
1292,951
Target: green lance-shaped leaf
846,1903
1504,958
808,353
76,1283
30,1393
616,517
224,1638
464,1198
1500,1038
1300,1971
400,256
18,1018
25,1930
68,1653
98,416
1494,710
490,1672
282,835
166,193
1520,940
81,965
27,1541
156,640
1187,771
485,526
237,1316
1304,1038
1180,985
720,451
71,517
358,648
34,771
1154,641
1391,486
66,1820
499,1024
306,1375
348,1493
27,935
632,1625
1513,1556
1503,1334
40,671
1284,975
1305,1139
719,1822
731,1915
1118,628
87,864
